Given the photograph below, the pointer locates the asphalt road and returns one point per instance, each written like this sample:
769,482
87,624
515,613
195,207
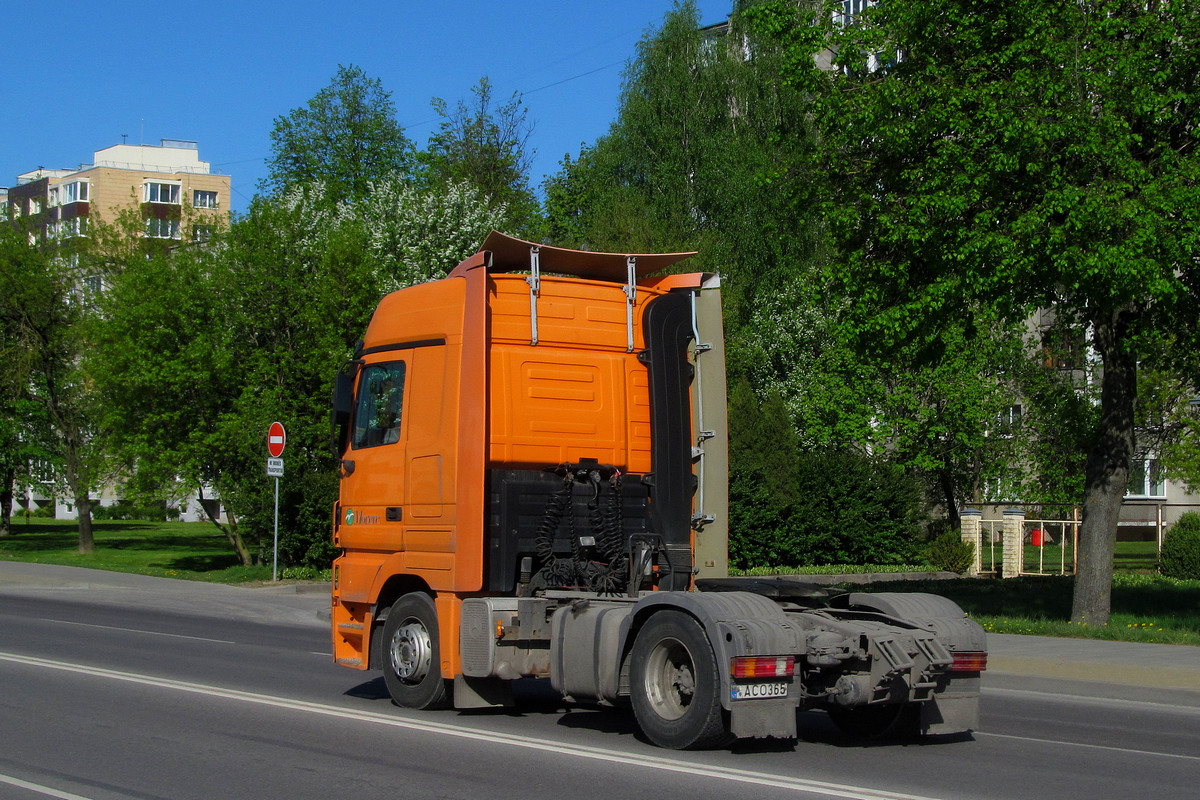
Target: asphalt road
119,687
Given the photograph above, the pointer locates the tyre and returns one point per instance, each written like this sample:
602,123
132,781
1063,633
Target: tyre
675,687
412,655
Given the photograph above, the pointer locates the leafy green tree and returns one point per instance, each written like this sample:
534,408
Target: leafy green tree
205,348
202,348
165,367
1040,157
345,137
22,426
44,313
485,145
945,418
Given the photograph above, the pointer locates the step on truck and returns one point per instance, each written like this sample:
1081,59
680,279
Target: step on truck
534,485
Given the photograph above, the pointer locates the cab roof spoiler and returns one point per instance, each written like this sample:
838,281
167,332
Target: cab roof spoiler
510,254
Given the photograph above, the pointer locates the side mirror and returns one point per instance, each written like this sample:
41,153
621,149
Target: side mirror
343,406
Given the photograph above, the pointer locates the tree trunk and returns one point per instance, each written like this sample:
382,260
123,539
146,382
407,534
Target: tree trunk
947,484
1106,473
6,500
83,504
230,531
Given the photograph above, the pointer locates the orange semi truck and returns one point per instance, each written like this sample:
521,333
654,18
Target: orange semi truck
533,485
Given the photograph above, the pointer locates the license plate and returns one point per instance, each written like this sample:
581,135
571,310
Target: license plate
759,691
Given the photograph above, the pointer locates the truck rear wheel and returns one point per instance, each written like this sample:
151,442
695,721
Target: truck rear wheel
411,653
675,685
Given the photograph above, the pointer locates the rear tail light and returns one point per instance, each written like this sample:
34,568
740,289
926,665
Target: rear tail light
763,666
969,661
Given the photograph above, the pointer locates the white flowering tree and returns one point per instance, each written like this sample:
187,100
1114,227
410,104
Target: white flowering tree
415,235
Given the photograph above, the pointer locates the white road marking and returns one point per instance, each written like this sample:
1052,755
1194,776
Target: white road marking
1126,750
136,630
625,759
46,790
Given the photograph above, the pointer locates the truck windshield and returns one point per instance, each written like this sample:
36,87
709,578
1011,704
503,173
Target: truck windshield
380,399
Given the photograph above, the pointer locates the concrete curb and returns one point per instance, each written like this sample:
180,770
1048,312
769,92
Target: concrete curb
1105,672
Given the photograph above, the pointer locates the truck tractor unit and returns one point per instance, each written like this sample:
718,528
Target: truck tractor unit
534,485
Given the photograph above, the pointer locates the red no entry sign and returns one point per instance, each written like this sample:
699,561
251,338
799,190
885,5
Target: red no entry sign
276,439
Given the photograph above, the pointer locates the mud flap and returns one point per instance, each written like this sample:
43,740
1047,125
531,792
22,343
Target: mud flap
950,712
763,718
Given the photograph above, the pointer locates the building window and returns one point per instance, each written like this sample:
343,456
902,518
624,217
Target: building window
203,199
160,193
1008,420
75,192
852,8
1146,479
162,228
76,226
53,197
41,471
202,233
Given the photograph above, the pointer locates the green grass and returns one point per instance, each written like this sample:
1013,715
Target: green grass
191,550
1136,557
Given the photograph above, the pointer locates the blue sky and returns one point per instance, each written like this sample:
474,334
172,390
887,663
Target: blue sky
81,76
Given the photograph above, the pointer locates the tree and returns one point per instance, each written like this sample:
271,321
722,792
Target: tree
486,146
44,313
418,234
945,419
203,348
1042,155
165,368
21,419
346,137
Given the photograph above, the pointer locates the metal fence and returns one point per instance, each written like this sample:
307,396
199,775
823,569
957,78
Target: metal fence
1049,546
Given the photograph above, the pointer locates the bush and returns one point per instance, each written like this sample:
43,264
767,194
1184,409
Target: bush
126,508
855,509
1180,557
950,553
801,506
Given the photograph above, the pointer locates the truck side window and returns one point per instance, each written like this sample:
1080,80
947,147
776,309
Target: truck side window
380,399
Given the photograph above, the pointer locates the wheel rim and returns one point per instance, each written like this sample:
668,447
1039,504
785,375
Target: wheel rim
670,679
411,651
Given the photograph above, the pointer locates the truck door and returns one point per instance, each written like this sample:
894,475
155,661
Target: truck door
373,464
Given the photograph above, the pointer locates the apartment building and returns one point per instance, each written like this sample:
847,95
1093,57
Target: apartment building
175,196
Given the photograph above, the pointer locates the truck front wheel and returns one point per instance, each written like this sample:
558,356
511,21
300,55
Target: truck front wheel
411,657
675,684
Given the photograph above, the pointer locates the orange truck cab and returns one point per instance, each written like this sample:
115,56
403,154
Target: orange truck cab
533,484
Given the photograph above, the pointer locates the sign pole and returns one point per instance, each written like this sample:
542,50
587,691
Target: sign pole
275,560
276,440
